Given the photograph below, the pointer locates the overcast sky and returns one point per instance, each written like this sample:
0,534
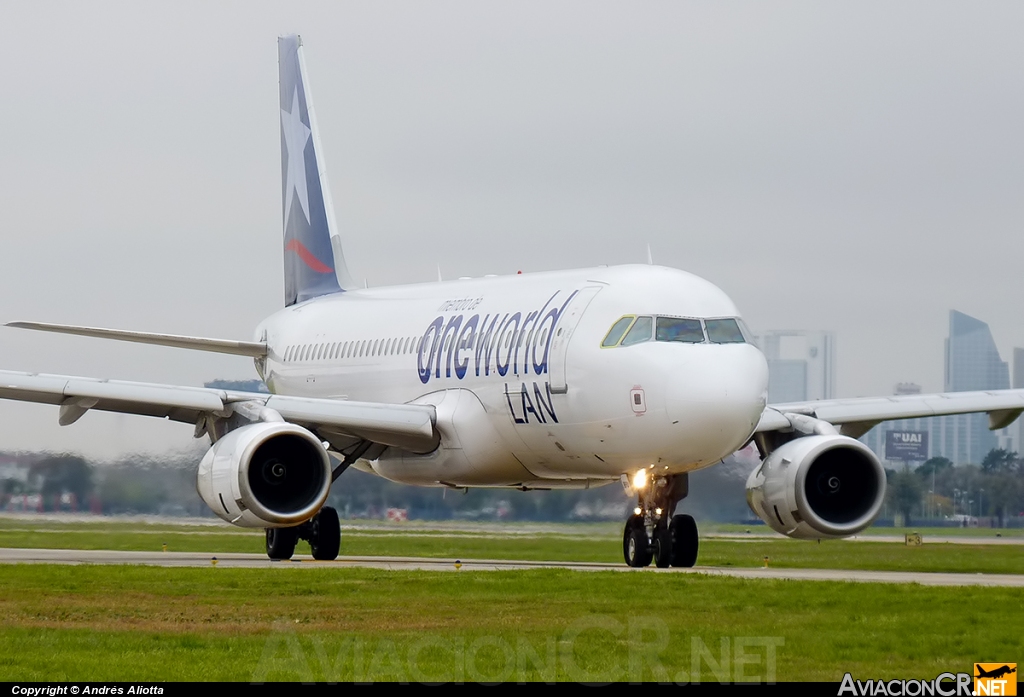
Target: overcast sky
855,167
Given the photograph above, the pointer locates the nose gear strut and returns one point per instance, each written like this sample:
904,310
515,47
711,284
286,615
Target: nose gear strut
653,532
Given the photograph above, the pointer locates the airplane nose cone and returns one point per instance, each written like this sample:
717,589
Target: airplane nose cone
719,398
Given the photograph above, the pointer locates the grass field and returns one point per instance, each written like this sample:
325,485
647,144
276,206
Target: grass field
104,623
139,624
583,543
888,532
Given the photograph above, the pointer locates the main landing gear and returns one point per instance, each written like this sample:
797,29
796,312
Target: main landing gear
322,531
653,533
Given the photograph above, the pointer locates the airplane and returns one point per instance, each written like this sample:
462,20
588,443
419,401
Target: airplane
995,672
633,374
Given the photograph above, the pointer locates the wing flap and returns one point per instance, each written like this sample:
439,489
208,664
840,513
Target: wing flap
27,387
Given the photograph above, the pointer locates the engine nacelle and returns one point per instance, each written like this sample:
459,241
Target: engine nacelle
265,475
818,487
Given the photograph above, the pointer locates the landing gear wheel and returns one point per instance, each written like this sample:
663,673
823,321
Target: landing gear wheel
325,535
683,532
634,521
281,542
635,545
663,552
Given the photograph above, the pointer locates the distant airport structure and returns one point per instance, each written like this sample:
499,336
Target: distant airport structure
1018,383
240,385
972,363
801,365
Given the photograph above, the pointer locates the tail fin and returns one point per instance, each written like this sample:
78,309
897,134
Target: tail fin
313,261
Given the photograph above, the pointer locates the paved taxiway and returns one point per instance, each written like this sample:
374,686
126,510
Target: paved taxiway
234,560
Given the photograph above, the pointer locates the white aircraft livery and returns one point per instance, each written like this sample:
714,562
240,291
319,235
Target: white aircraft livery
633,374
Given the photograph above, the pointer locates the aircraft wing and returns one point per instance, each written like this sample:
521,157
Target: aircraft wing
857,416
408,426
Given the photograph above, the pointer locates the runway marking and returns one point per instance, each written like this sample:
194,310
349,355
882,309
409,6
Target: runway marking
239,560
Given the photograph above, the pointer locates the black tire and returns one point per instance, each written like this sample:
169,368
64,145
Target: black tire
281,542
635,546
685,540
663,552
325,537
631,522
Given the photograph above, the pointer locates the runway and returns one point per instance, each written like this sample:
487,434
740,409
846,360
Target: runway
898,539
251,561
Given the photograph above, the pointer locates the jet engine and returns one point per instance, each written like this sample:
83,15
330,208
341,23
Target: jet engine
265,475
819,486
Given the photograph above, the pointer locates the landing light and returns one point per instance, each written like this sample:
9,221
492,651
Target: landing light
637,510
640,479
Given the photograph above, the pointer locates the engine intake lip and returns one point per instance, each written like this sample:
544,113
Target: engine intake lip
288,476
842,488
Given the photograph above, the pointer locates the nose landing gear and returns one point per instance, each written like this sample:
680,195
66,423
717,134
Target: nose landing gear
653,533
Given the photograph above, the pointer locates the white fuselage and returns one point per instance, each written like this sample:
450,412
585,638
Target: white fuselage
525,393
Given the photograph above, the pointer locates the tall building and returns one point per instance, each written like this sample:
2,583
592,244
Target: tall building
972,359
801,365
1018,383
972,363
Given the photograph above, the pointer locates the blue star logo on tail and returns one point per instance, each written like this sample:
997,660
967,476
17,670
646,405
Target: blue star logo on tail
296,135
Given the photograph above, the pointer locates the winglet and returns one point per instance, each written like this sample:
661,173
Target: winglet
314,264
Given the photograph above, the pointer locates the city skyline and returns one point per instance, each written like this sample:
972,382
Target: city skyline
1018,383
973,363
801,364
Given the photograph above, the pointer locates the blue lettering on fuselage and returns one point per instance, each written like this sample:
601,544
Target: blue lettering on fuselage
521,404
513,343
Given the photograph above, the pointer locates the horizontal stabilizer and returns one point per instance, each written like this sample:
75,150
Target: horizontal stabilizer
238,348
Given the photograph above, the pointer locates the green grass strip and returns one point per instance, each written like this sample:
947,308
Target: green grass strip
781,552
77,623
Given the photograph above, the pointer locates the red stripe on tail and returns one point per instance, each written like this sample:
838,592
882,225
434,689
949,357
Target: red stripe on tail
307,257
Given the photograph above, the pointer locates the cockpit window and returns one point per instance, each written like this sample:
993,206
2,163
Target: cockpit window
639,332
724,331
685,330
630,329
615,333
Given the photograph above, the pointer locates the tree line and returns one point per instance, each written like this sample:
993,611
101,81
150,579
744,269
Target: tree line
938,489
165,485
